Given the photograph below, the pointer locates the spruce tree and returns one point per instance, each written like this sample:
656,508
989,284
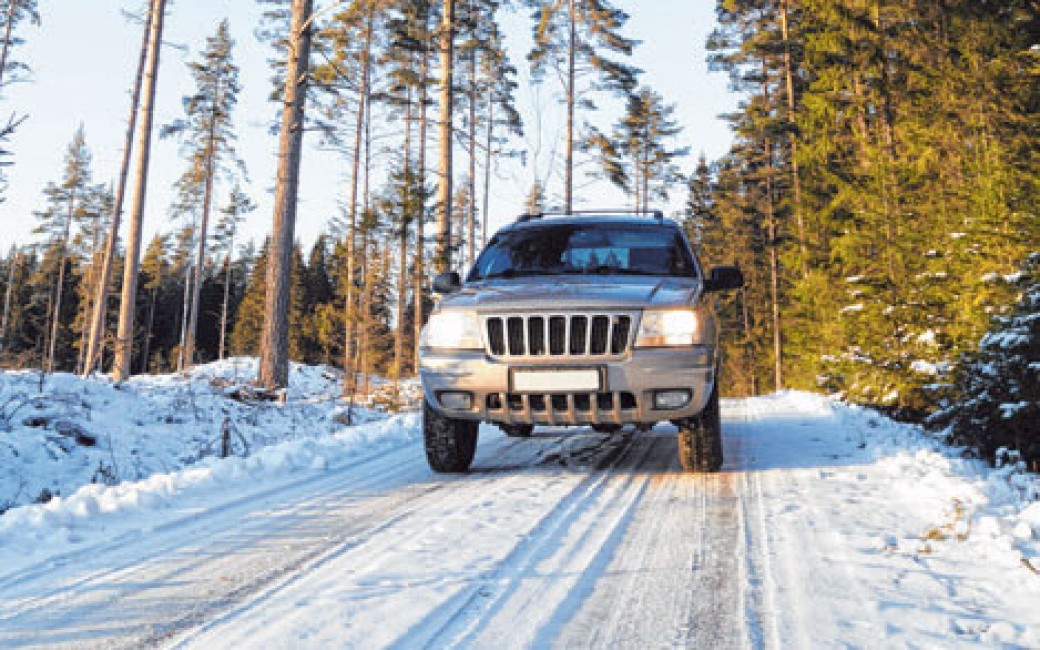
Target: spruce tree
70,202
249,318
996,393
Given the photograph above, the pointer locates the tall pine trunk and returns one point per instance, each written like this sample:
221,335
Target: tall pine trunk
402,266
487,166
274,343
572,53
420,234
60,285
128,301
349,309
792,138
97,320
146,343
227,296
189,272
200,254
774,257
471,214
442,258
12,266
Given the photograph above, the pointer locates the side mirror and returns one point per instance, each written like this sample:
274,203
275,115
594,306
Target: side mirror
724,278
448,282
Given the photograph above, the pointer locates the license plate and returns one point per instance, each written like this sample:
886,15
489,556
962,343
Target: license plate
556,381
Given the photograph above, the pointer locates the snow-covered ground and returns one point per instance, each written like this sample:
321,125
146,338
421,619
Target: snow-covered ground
66,432
829,526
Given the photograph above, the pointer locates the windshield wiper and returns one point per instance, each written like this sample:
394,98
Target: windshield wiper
604,269
514,273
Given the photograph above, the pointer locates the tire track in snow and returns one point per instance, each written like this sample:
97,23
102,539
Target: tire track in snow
673,580
466,615
230,563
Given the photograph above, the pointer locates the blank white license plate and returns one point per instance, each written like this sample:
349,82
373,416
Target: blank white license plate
550,381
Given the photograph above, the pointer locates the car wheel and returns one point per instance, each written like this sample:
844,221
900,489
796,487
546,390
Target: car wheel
517,430
606,428
700,438
450,442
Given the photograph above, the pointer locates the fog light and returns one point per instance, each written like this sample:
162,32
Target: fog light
456,401
670,400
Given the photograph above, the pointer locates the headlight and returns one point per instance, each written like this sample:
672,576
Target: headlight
452,330
672,327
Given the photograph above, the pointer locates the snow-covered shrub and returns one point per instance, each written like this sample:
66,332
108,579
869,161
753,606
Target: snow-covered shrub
997,387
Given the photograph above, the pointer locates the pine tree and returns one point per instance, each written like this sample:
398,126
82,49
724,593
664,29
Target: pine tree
636,157
208,135
15,13
104,277
575,38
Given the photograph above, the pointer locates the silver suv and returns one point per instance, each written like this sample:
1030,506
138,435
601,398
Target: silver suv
600,320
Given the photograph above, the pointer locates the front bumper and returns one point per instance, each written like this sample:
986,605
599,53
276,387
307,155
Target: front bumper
626,396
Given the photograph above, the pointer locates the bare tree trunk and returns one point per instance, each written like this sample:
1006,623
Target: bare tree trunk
774,260
487,166
442,257
471,220
568,183
349,312
227,296
12,266
146,344
750,361
125,336
8,30
200,255
420,225
185,314
402,266
367,263
60,288
796,182
97,321
274,344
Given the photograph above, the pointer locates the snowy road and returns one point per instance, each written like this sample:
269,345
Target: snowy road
566,539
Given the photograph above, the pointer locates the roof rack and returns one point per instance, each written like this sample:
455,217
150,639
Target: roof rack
656,214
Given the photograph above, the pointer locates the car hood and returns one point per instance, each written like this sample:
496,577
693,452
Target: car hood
567,293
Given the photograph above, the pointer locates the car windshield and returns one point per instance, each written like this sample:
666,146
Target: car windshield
573,249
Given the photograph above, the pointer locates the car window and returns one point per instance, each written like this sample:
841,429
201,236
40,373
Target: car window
603,249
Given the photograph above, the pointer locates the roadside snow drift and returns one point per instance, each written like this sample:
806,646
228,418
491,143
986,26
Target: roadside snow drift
829,526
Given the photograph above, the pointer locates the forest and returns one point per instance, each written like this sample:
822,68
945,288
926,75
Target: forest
879,195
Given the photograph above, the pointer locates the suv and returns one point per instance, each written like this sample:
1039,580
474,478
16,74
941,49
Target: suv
583,319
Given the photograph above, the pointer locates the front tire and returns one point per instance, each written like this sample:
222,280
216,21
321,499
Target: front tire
450,442
700,438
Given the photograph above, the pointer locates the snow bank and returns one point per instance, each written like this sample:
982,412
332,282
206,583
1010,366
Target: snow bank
992,512
65,432
98,511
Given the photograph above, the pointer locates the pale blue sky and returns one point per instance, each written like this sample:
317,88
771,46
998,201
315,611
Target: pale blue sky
84,54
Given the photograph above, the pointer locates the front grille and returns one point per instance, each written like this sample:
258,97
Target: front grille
559,335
